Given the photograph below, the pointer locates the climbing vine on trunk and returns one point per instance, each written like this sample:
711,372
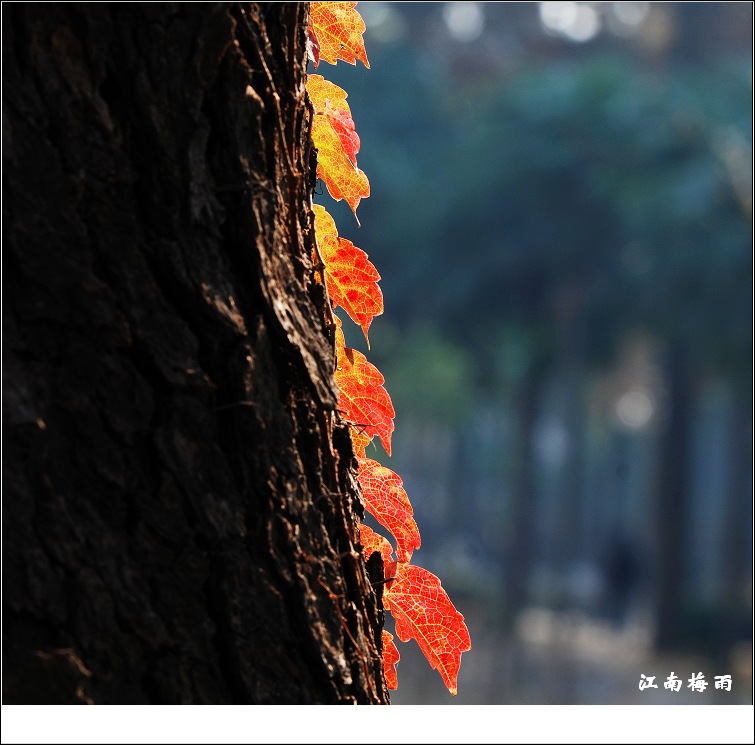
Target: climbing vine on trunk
419,604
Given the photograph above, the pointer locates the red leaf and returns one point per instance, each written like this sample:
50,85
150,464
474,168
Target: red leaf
423,611
338,29
350,277
360,439
313,46
358,436
386,500
343,126
364,402
372,541
390,660
340,338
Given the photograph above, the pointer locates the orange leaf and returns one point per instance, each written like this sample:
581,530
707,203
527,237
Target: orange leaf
363,400
358,436
337,142
322,92
386,500
342,179
338,29
361,440
343,125
350,277
372,541
340,338
390,660
423,611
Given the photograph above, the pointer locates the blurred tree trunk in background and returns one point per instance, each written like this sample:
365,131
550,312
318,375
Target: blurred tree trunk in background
178,512
520,552
571,371
673,498
738,511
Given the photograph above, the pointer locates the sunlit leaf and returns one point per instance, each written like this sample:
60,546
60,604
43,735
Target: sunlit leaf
342,180
340,338
372,541
322,92
386,500
338,28
390,660
343,125
337,142
363,401
313,46
424,612
350,277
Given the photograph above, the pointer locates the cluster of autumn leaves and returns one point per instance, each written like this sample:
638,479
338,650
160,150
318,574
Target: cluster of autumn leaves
420,606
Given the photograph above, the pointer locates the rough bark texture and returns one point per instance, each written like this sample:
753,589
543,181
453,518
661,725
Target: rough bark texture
179,500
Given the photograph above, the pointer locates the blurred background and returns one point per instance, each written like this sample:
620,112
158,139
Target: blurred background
561,213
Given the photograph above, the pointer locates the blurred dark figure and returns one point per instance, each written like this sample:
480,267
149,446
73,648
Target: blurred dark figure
623,571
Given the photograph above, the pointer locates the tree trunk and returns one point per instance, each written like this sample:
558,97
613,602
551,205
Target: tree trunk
179,500
673,501
737,564
520,552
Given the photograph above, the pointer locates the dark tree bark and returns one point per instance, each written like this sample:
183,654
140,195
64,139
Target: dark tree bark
179,507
